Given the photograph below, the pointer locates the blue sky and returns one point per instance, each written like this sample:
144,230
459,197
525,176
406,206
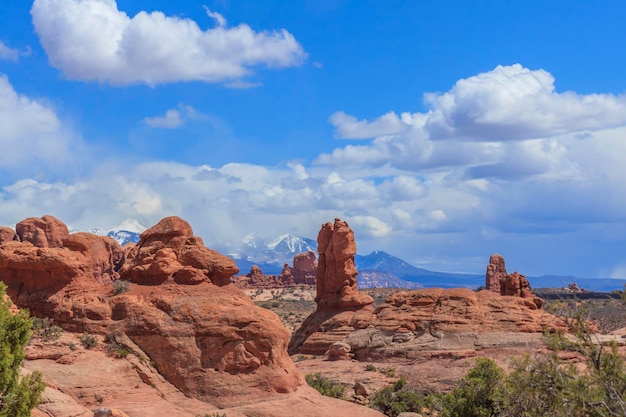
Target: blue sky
442,131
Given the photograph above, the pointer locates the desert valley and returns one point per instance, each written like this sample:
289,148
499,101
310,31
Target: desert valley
168,327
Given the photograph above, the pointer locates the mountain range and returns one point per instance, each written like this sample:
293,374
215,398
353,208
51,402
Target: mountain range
378,269
127,231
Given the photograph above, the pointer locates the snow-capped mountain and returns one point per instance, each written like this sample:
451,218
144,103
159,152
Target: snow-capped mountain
270,254
127,231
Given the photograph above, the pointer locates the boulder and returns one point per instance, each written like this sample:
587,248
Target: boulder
44,232
338,351
166,249
7,235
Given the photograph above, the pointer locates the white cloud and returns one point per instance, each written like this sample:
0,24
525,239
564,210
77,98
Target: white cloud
31,131
7,53
516,103
369,226
505,123
91,40
348,127
170,120
219,19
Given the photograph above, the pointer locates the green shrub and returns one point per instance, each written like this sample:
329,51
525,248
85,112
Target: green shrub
325,386
88,340
44,329
370,367
477,394
398,398
18,395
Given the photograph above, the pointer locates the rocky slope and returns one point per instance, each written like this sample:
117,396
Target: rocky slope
203,335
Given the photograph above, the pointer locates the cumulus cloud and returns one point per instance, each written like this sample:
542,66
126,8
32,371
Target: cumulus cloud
370,226
508,122
348,127
92,40
516,103
31,131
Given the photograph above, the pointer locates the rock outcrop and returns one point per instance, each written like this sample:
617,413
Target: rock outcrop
336,271
7,234
496,272
341,307
45,232
203,335
169,250
411,324
497,280
304,268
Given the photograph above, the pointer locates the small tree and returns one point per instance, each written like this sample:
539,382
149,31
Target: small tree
18,396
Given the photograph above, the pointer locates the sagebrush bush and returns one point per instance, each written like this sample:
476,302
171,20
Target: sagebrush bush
88,340
325,386
120,286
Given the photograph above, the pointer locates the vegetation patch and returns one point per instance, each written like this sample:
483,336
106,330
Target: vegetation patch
325,386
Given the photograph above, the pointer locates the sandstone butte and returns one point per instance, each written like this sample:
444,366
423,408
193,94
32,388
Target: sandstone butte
207,340
303,272
418,323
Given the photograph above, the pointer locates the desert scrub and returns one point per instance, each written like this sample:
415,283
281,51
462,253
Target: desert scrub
325,386
44,329
398,398
88,340
370,367
120,286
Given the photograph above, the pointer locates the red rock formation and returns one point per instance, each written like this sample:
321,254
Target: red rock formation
286,274
414,322
341,307
336,271
7,235
255,273
496,272
498,281
208,339
257,279
102,253
45,232
304,268
168,250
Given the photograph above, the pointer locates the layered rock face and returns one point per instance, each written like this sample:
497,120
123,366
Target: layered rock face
204,335
341,307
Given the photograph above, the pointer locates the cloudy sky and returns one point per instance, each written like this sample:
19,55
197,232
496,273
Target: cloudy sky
442,133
